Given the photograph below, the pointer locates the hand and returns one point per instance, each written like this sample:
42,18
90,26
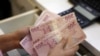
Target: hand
11,41
59,50
18,35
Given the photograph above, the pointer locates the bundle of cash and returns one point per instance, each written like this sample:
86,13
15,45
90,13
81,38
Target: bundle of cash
48,30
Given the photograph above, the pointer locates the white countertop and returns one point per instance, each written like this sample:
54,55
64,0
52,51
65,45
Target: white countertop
93,38
92,32
55,6
93,35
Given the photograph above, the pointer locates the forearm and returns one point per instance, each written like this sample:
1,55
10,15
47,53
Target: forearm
6,42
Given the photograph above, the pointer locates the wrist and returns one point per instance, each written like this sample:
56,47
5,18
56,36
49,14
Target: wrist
15,41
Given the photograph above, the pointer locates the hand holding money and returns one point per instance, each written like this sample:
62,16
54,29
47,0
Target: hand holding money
48,31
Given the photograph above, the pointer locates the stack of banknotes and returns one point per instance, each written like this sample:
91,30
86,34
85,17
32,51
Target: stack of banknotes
48,30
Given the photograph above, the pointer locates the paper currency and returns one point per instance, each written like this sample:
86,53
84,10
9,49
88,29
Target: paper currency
43,47
1,53
45,16
71,31
27,44
77,35
49,29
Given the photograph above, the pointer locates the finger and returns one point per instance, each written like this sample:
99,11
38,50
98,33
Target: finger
71,51
23,31
62,43
19,34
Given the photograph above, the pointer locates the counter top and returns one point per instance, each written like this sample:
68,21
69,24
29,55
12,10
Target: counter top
55,6
93,38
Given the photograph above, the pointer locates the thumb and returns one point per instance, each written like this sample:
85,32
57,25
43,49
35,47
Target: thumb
22,32
71,51
62,43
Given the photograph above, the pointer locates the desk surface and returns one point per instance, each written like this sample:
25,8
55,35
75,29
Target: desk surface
93,38
92,32
55,6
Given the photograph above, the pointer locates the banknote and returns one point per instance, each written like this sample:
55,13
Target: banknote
69,17
72,31
45,16
43,47
1,53
27,44
77,35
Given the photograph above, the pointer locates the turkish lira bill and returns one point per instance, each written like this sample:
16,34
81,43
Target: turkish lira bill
48,30
27,44
45,16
